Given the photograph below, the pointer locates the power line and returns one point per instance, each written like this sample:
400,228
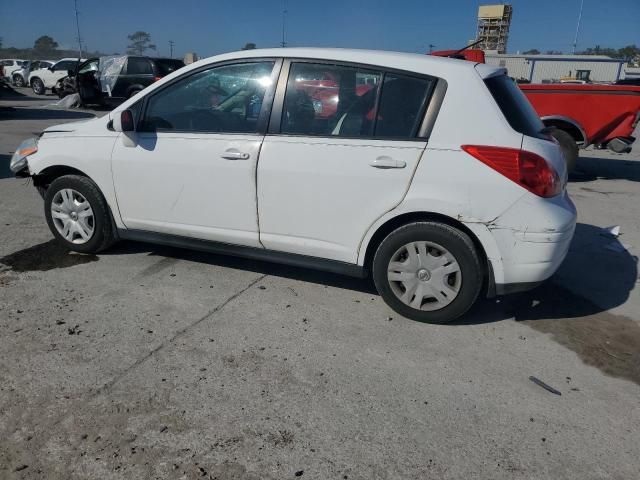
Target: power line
283,43
575,41
75,5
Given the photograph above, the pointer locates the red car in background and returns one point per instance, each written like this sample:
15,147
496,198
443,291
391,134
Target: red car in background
324,90
582,114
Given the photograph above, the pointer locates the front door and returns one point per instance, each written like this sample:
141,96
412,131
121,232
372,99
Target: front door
191,171
339,155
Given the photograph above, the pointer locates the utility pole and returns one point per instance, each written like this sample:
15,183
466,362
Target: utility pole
75,4
575,41
171,48
283,43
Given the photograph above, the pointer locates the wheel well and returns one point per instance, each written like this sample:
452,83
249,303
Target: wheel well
32,79
49,174
568,127
397,222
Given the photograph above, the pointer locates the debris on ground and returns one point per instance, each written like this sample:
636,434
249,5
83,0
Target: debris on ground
70,101
549,388
611,231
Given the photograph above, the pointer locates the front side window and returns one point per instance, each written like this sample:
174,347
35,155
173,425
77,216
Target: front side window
91,66
333,100
222,99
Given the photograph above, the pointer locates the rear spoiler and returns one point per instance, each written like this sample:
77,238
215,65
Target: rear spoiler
487,71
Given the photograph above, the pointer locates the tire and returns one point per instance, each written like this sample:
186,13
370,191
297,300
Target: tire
38,86
467,281
133,92
18,81
102,235
569,148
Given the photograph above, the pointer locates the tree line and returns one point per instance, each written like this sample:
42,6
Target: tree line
45,47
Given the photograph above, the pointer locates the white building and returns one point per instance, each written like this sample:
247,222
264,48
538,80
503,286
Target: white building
550,68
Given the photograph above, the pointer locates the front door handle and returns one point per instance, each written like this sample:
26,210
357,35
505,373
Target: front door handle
387,162
235,155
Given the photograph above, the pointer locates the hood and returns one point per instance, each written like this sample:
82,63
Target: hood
80,126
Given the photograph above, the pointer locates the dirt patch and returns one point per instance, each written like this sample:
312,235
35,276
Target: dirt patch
601,339
45,256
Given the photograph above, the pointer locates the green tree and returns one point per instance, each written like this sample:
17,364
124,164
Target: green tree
139,43
533,51
629,52
45,46
249,46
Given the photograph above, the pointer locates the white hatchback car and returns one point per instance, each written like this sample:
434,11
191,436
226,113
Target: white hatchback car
433,174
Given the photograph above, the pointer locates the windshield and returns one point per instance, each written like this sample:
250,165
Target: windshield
515,106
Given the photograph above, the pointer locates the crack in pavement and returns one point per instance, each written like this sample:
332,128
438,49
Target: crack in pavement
48,427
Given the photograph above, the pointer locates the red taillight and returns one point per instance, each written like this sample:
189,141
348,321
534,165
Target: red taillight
155,79
527,169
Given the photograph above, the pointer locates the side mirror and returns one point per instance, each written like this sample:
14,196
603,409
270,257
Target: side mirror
51,69
123,121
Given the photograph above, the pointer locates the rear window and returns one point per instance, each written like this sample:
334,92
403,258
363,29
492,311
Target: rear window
515,106
165,67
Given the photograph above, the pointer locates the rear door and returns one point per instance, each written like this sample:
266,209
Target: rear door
343,145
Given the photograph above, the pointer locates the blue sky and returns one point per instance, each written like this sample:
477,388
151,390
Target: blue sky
209,27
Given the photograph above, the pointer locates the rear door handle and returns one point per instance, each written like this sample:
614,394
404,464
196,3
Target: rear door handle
235,155
387,162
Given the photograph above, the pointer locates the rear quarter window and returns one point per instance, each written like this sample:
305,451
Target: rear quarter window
515,106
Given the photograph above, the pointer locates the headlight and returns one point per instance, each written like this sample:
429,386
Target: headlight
19,159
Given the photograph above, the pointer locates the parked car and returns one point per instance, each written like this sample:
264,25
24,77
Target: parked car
10,65
112,80
20,77
578,113
45,78
438,180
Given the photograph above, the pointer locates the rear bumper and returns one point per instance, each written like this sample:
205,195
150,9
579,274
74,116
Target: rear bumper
533,238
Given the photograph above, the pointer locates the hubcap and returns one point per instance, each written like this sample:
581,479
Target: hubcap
72,216
424,276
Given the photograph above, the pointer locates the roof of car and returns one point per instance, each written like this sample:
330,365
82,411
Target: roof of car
400,60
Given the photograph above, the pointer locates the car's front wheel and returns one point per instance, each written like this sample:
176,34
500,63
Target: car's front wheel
428,271
78,215
38,86
18,81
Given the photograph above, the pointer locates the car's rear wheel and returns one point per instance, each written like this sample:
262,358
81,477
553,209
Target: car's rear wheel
38,86
569,147
18,81
78,215
428,271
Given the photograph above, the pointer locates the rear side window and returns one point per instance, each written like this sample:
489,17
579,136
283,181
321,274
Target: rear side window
165,67
345,101
515,106
139,66
401,106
